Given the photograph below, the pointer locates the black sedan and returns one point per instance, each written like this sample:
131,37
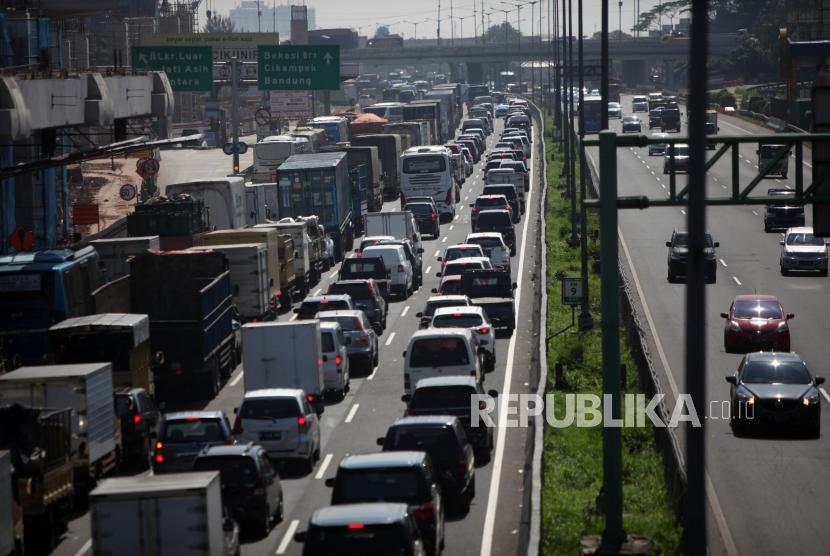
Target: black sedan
775,389
632,124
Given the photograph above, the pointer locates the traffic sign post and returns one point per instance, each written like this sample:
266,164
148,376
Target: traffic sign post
189,68
572,291
127,192
262,116
299,68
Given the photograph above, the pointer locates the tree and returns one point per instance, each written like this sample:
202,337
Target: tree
382,31
501,34
219,24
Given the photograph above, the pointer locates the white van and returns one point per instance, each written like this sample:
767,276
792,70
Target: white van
395,261
335,358
441,352
428,172
282,421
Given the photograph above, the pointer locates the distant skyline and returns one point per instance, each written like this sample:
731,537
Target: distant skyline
366,15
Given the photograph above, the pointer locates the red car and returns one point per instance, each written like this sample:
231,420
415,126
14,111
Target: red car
756,323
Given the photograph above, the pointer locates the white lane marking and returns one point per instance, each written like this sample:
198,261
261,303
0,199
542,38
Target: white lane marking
371,376
755,213
327,460
288,537
715,178
452,225
457,216
747,161
682,211
466,197
294,317
723,186
317,291
723,263
737,281
332,275
427,270
493,494
237,378
824,393
437,252
720,519
87,545
444,240
652,172
787,187
405,311
352,411
389,339
663,185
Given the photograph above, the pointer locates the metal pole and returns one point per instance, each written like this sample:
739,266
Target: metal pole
483,30
519,44
235,113
586,321
566,84
452,25
572,129
557,115
613,535
694,527
619,37
532,68
603,87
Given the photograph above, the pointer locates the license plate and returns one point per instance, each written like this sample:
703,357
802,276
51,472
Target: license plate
270,435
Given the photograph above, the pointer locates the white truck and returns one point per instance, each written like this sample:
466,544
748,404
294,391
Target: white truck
250,280
399,224
86,389
284,355
270,153
224,200
178,514
305,267
114,252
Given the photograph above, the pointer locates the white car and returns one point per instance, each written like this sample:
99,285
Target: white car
441,352
335,358
657,148
371,240
494,247
437,301
459,266
400,269
801,250
459,251
282,421
474,318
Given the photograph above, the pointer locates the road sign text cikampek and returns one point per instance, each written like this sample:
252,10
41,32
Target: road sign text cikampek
297,68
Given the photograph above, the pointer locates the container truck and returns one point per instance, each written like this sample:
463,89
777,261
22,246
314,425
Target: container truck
284,355
191,319
389,151
336,127
224,200
38,289
122,338
279,291
303,268
84,388
255,210
417,132
448,116
319,184
36,480
248,265
175,220
315,137
368,156
178,514
113,253
429,109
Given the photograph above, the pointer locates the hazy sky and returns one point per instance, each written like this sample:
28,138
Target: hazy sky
365,15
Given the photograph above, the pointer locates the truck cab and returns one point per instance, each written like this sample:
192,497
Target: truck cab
767,153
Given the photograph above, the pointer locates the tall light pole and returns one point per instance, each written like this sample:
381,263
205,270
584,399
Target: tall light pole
518,7
415,26
452,25
461,26
532,63
506,24
586,321
620,31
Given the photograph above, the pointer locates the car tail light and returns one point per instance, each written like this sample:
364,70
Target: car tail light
302,423
449,196
484,330
359,254
191,419
338,360
434,216
462,467
137,419
475,210
237,425
457,315
324,301
159,445
425,512
159,458
179,372
354,526
311,398
259,487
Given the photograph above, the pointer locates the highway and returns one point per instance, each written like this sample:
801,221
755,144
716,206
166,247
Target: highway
494,523
768,495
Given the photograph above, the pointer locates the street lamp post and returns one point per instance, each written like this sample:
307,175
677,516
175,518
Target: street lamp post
518,7
532,64
461,26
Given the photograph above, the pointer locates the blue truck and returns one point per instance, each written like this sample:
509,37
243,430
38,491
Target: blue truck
336,127
320,184
39,289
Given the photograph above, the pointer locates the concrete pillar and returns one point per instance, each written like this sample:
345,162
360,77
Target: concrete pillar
634,73
8,220
475,72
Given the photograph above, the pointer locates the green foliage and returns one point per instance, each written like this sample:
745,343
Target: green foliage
504,33
382,31
724,98
219,24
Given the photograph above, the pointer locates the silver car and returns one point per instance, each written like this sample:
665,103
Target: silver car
362,341
335,358
801,250
658,149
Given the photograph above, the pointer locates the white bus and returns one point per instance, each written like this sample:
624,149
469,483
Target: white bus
270,153
427,172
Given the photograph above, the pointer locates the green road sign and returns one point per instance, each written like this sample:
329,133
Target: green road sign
189,68
299,68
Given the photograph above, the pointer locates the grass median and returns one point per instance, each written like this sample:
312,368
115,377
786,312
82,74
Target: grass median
572,460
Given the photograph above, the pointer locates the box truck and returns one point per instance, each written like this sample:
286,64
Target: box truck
113,253
224,200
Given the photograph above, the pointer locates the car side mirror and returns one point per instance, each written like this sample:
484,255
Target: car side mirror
434,290
300,536
732,379
420,250
757,151
818,380
419,315
724,315
438,274
493,393
329,482
319,408
790,316
405,398
236,411
297,310
380,441
781,242
515,285
472,204
326,357
668,244
403,353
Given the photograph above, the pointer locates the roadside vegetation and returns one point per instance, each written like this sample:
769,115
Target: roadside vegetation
572,461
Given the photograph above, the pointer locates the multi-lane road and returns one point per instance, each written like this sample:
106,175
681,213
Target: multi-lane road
494,524
767,495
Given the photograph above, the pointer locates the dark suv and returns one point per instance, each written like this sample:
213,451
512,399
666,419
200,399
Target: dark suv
444,439
426,217
361,268
139,419
366,297
251,488
679,253
497,221
784,213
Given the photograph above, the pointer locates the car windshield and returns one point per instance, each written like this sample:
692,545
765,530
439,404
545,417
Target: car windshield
459,321
494,220
460,252
489,242
418,208
804,239
310,308
358,540
363,267
439,442
508,191
404,484
269,408
193,430
327,341
432,306
348,324
439,352
233,470
424,164
441,397
758,309
682,240
356,291
775,372
491,202
679,150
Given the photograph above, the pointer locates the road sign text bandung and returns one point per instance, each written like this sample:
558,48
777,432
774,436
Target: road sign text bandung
297,68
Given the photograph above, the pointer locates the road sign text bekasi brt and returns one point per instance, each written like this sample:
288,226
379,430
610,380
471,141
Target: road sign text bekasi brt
299,68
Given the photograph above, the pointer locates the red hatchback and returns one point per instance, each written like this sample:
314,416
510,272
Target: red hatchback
756,323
